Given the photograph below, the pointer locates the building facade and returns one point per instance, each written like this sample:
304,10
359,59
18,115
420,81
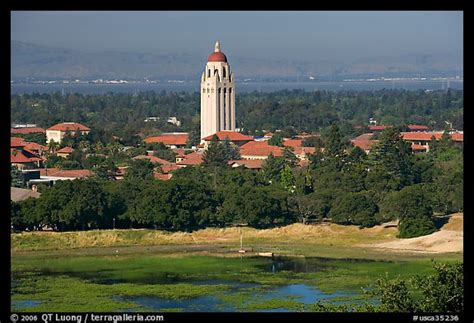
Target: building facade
217,95
57,132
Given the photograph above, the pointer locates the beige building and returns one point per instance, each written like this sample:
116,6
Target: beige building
58,131
217,95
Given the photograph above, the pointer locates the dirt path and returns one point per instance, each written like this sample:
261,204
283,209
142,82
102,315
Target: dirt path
448,239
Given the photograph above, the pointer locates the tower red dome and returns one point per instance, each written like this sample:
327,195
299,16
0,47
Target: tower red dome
217,56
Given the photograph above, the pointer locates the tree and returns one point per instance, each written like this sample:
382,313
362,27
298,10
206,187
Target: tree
412,207
354,208
53,146
231,151
391,162
276,140
290,157
287,179
140,168
16,177
306,208
215,154
271,169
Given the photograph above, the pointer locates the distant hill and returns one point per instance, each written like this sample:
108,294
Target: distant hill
42,62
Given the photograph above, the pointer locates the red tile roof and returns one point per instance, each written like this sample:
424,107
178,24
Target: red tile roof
17,142
65,150
260,148
23,156
253,164
424,135
427,135
303,162
417,127
71,126
293,142
169,139
162,177
232,135
35,146
378,128
303,151
153,159
27,130
457,136
194,158
180,152
74,173
166,168
417,147
364,141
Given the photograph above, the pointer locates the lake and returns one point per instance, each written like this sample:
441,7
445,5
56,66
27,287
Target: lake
242,87
191,283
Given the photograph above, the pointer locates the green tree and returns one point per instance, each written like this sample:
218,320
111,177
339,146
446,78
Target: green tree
140,168
287,179
391,163
215,154
276,140
412,207
271,169
354,208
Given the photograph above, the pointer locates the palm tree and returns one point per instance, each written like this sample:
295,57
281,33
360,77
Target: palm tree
53,146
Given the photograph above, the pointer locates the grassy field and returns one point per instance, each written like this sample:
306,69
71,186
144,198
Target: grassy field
101,270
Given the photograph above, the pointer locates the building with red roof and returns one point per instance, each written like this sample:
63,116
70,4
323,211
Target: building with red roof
259,150
423,138
247,163
303,152
17,142
65,173
65,152
27,130
192,159
58,131
172,140
36,148
21,157
152,158
364,142
162,177
417,127
24,159
292,142
236,138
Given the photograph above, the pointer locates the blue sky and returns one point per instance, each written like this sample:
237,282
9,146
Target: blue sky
321,35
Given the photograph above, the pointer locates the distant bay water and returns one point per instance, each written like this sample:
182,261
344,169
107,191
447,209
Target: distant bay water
243,87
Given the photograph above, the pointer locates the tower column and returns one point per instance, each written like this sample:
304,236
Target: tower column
232,109
221,109
227,111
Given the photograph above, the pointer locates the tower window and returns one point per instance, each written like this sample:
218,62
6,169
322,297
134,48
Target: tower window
223,72
209,73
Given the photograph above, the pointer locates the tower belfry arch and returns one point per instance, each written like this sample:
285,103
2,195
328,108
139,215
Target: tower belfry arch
217,94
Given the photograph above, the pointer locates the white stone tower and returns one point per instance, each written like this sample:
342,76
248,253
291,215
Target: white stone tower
217,95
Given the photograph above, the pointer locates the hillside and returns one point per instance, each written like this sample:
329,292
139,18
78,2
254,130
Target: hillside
42,62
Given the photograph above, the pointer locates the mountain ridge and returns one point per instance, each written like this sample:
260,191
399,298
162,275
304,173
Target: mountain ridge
43,62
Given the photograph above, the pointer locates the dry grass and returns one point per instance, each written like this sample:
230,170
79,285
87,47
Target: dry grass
448,239
455,223
322,234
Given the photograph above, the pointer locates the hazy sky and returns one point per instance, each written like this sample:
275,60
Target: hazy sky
322,35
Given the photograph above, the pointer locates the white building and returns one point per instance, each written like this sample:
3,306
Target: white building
217,95
58,131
